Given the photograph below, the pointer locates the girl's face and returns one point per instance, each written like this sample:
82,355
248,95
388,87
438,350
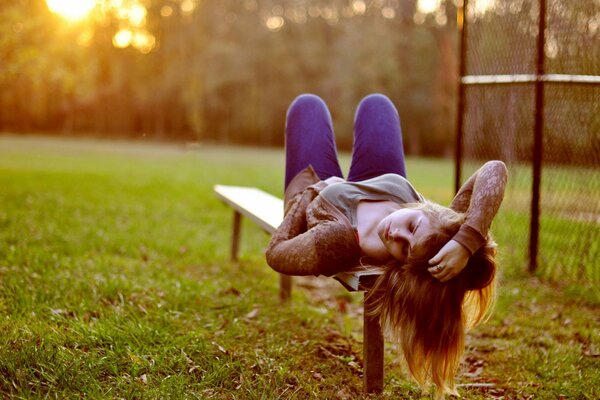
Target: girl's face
400,230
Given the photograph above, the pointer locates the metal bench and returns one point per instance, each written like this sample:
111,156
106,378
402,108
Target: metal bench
266,211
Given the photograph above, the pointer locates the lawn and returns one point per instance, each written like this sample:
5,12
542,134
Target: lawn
115,282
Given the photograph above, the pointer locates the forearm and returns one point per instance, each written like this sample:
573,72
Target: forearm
325,249
290,245
295,256
483,193
488,192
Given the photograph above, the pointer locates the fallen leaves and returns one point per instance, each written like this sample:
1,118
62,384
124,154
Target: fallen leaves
588,353
143,379
251,314
240,382
344,394
328,293
231,291
220,348
587,346
62,313
340,348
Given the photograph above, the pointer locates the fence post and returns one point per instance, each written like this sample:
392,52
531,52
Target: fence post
537,141
461,23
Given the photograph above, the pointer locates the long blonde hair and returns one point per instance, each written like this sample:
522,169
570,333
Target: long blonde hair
428,317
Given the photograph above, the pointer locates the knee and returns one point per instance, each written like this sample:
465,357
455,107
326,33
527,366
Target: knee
377,104
306,103
376,100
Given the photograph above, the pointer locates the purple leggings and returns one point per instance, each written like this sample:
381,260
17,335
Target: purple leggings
309,139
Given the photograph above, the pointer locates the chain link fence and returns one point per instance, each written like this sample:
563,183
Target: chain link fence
533,101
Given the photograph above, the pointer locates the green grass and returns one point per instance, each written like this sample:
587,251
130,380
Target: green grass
115,282
569,237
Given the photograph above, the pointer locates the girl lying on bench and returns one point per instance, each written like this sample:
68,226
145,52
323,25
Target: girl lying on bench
439,262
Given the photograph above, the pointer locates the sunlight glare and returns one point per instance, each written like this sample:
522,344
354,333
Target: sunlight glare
71,9
359,7
166,11
85,38
275,23
388,12
187,7
427,6
480,7
122,38
144,41
137,15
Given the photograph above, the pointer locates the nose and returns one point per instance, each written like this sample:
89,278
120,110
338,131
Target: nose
398,234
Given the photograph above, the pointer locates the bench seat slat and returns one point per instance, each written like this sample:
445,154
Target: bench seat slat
263,208
358,278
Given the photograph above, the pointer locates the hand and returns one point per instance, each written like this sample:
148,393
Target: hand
449,261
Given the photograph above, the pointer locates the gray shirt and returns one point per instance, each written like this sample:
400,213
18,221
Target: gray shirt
345,196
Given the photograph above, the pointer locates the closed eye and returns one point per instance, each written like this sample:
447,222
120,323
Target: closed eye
415,226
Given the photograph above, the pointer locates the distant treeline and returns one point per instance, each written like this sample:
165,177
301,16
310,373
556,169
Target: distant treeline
226,70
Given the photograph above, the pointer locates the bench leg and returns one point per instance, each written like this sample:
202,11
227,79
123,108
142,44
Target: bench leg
285,287
235,235
372,353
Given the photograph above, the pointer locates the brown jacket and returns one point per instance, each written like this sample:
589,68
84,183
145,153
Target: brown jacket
315,238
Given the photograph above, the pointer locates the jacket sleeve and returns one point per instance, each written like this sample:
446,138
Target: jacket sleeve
480,198
310,245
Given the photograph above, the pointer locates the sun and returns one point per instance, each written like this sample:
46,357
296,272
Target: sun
71,9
